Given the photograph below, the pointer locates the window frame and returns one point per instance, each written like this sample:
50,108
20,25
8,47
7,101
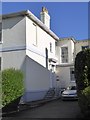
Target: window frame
51,50
35,41
85,47
64,55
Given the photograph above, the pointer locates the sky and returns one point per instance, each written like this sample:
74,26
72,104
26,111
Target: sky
68,19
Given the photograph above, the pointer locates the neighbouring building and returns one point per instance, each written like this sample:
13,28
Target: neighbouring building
46,60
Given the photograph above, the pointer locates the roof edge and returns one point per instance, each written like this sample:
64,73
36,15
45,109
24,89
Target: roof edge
33,18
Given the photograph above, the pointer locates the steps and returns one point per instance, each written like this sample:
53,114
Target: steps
50,93
53,93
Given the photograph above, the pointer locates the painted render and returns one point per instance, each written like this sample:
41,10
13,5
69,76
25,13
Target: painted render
19,51
25,40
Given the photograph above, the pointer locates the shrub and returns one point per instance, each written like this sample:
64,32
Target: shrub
82,69
84,100
12,85
82,75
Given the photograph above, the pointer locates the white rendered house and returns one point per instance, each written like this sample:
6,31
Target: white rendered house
27,43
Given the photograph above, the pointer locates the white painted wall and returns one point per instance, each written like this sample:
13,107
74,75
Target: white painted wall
43,41
13,32
37,80
37,76
15,59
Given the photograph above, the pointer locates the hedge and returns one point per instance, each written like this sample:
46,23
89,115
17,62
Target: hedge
82,75
12,85
82,69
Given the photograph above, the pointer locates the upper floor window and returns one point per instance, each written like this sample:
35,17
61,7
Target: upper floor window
34,37
0,31
64,54
85,47
50,47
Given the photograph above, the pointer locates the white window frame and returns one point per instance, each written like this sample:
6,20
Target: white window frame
35,39
51,47
64,57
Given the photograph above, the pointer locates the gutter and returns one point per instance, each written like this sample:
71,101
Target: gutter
33,18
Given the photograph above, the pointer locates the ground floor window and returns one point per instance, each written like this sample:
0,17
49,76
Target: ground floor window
72,75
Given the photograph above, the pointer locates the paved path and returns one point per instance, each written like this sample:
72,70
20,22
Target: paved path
54,109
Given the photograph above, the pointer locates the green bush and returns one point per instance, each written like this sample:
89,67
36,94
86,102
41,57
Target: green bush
82,75
82,69
12,85
84,100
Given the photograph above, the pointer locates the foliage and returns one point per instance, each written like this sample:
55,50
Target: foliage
84,100
12,85
82,75
82,69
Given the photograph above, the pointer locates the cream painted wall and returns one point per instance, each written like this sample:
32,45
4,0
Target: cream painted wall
64,76
65,43
79,44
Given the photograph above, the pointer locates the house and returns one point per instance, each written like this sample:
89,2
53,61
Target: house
46,60
29,44
66,51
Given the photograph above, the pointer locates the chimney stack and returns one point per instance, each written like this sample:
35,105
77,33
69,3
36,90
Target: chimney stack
45,18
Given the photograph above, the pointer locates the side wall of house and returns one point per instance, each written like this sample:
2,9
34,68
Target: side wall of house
37,50
63,69
37,80
65,43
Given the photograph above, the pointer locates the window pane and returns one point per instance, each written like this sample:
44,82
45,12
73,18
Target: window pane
34,36
64,54
85,47
50,47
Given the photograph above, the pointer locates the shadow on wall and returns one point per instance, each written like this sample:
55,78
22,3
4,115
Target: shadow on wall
37,80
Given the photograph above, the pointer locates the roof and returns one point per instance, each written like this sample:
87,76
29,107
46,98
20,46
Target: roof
74,40
68,38
33,18
87,40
